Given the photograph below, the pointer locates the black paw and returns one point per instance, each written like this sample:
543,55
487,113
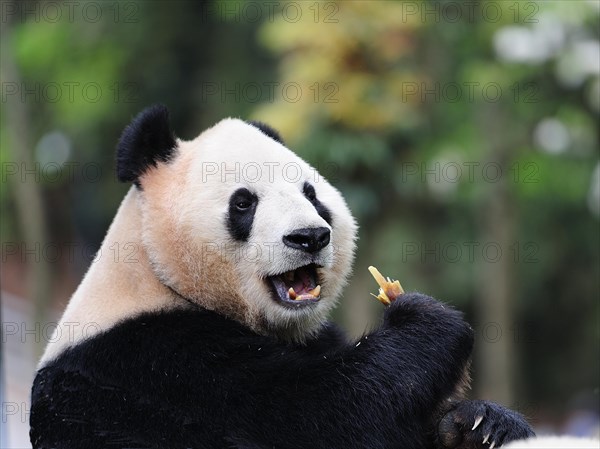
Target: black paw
481,425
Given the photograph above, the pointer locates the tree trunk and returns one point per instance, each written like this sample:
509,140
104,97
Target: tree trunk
494,345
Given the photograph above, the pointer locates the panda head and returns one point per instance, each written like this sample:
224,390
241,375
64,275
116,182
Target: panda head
235,222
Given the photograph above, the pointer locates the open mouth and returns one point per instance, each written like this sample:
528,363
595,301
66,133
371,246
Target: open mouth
299,286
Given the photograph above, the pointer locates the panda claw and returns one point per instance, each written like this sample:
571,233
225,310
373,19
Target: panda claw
486,438
477,422
493,444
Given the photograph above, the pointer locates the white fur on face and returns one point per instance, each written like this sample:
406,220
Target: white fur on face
186,234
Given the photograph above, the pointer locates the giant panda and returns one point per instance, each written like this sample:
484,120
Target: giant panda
210,330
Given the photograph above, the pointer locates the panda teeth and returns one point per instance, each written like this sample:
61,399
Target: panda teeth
315,291
311,294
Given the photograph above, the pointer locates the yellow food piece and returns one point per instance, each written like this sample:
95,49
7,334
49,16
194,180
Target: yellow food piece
389,290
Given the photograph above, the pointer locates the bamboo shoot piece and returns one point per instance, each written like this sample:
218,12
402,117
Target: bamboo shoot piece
389,290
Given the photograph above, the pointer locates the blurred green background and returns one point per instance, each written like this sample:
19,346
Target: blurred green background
464,136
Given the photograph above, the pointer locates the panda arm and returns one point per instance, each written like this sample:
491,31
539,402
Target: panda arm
422,345
379,390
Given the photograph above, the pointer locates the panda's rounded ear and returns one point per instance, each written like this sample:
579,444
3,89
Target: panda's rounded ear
267,130
147,140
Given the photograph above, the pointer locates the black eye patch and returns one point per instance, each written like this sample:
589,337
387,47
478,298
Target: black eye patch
240,216
309,192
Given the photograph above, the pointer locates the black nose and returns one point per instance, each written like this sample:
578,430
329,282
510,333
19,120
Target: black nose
310,240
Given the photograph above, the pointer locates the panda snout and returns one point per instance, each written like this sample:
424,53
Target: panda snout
309,240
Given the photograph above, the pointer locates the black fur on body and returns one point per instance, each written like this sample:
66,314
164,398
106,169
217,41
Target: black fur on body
194,379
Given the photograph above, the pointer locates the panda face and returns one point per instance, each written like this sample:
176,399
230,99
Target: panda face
237,223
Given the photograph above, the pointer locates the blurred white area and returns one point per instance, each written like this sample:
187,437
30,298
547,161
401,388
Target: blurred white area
531,45
53,149
556,33
18,365
555,443
552,136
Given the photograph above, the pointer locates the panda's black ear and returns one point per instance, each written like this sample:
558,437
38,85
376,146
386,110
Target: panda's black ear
147,140
266,129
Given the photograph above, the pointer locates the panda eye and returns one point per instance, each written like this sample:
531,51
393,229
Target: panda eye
243,200
240,213
243,204
309,192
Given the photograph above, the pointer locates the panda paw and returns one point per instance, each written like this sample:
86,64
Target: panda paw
481,425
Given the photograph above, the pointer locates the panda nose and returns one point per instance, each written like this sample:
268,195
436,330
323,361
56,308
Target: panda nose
310,240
